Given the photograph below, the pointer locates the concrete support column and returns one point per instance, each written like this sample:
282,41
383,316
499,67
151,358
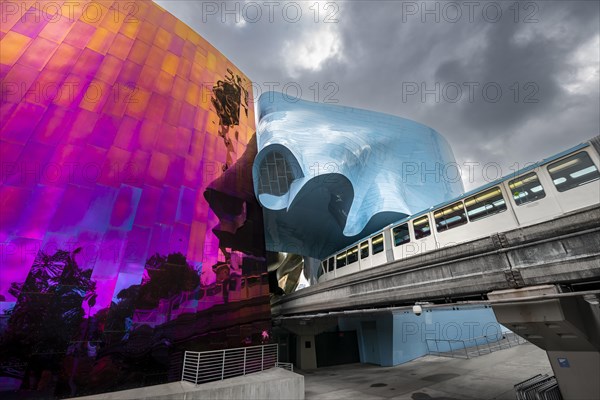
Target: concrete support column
577,373
566,325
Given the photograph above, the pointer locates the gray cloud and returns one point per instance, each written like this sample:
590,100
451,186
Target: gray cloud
544,59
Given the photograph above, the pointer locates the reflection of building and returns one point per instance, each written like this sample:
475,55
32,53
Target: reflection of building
327,175
239,288
122,137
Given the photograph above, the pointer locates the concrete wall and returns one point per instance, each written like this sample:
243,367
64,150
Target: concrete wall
374,336
273,384
402,336
452,323
307,356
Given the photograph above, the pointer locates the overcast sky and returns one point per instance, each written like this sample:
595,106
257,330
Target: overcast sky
504,82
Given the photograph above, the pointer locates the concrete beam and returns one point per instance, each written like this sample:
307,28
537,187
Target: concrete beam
564,250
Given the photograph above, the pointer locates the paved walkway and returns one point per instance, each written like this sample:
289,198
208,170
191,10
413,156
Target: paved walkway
490,376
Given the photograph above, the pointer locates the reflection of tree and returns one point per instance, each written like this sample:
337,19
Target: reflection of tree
120,312
167,276
48,312
228,95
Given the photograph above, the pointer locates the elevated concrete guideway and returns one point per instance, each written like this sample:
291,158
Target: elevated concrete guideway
565,250
520,271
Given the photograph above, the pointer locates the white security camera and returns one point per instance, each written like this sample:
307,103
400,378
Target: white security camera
417,309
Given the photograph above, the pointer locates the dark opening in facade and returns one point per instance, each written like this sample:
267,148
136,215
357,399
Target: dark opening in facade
276,175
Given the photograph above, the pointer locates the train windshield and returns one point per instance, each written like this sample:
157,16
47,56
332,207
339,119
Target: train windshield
322,269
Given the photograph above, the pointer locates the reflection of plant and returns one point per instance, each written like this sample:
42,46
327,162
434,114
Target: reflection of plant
122,309
167,276
48,312
227,96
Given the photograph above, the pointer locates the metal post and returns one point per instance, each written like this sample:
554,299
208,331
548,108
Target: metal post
197,370
262,357
223,366
488,343
465,347
244,373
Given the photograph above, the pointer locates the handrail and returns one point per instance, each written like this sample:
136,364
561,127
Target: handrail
541,387
214,365
285,365
471,347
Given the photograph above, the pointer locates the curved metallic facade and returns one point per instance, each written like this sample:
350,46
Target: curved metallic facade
327,174
129,227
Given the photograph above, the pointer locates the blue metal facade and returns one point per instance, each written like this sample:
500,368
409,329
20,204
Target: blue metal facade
327,175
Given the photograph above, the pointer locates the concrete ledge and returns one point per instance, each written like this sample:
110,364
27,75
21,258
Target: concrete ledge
273,384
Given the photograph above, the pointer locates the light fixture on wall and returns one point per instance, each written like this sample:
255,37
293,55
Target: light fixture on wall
418,307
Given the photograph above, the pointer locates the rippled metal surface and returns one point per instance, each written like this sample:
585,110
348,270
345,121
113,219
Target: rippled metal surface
354,171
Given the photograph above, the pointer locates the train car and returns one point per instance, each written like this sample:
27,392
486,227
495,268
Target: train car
552,187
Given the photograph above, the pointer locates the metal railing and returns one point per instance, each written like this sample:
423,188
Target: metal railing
475,347
208,366
539,387
285,365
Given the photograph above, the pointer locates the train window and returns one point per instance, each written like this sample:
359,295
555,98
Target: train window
331,265
377,244
450,217
401,234
340,260
573,171
485,204
353,255
526,189
421,227
364,250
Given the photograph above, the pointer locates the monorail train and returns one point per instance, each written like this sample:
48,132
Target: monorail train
557,185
